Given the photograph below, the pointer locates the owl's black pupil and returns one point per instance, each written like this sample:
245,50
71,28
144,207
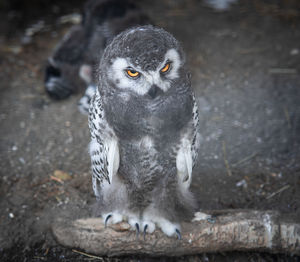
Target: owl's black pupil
132,72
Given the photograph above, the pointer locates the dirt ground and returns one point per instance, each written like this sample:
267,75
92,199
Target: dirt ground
245,64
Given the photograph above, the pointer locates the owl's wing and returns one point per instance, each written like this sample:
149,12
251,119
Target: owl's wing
104,148
196,135
188,150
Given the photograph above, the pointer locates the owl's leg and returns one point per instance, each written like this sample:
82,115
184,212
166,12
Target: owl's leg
112,213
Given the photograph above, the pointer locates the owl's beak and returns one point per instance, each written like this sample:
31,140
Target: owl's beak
154,91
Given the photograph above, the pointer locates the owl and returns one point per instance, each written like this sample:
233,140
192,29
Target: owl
82,46
143,122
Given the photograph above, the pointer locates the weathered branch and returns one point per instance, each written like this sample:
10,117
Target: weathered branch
233,230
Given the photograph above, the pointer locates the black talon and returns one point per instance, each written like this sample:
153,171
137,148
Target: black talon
178,234
106,220
137,230
145,231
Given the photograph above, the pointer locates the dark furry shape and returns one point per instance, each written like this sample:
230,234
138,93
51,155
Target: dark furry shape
84,44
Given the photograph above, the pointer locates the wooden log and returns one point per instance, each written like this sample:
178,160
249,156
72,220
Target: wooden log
233,230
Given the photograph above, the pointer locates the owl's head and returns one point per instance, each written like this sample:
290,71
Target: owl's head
144,60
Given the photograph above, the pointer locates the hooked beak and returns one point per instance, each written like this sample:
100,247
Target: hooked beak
154,91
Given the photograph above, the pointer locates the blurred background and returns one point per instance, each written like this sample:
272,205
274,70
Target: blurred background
244,57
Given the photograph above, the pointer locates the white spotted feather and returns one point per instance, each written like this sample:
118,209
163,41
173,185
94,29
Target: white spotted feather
196,135
188,151
104,149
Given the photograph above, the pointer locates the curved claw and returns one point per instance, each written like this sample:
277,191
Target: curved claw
106,220
137,226
178,234
145,231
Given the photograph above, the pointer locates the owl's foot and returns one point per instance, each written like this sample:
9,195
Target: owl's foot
134,222
112,218
141,225
148,227
169,228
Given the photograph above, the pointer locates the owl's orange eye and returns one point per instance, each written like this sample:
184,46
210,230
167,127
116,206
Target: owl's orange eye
132,73
166,68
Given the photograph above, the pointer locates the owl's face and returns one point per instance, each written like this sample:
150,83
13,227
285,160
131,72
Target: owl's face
143,60
126,75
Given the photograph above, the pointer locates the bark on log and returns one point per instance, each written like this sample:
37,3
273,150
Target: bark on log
233,230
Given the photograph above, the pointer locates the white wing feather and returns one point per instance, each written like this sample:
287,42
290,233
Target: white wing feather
113,158
188,152
104,149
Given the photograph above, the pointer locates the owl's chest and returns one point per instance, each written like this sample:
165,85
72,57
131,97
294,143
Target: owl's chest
139,116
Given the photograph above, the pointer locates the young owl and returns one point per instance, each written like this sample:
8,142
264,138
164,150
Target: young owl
143,121
84,44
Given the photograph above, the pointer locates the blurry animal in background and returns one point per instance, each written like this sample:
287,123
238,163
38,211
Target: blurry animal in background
144,141
61,74
70,67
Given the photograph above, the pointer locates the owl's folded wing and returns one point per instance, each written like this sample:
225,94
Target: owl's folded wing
104,149
196,135
188,150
